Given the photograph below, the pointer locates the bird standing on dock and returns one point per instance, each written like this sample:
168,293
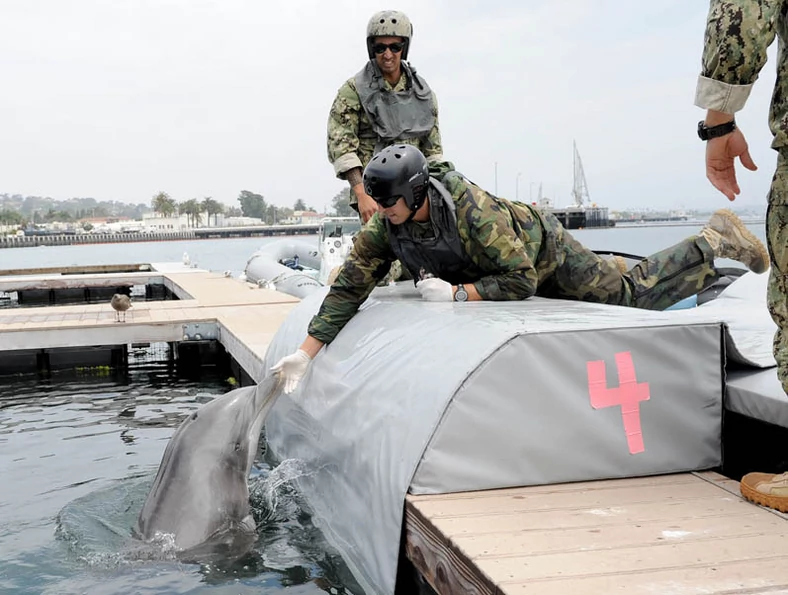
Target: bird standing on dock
120,303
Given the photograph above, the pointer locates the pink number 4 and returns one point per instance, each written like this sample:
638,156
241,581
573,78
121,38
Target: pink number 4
627,395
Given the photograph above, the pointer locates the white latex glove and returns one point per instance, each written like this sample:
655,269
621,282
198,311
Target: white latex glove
292,367
435,290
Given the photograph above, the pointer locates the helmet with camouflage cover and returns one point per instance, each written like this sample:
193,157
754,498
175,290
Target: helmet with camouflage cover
389,23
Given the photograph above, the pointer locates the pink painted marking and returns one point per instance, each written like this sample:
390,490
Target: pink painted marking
628,395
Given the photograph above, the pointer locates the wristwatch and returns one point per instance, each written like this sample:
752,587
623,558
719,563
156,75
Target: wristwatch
709,132
460,295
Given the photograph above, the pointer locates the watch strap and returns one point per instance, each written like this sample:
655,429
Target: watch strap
710,132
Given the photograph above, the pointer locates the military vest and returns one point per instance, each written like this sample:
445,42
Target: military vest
441,254
395,115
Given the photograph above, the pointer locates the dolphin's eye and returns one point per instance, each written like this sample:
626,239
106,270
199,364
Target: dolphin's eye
237,446
194,416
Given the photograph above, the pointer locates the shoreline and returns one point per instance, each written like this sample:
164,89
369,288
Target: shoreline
211,233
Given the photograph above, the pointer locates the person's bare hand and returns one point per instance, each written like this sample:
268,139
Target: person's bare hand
366,206
721,154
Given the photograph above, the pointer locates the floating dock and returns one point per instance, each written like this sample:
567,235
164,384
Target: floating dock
670,534
683,533
207,307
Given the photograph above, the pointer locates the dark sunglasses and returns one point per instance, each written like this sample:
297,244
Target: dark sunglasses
395,47
389,202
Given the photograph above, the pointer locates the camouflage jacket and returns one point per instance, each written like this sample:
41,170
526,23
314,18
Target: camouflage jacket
502,238
738,33
351,140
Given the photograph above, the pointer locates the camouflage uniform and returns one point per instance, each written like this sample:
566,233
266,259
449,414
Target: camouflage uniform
738,34
517,251
351,139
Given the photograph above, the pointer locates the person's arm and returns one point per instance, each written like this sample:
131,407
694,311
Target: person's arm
490,239
342,146
342,132
365,204
368,262
738,34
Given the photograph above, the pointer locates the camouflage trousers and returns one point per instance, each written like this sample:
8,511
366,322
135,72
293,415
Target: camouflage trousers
655,283
777,241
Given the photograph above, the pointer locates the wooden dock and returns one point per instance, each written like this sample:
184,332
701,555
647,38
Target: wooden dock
675,534
682,534
244,315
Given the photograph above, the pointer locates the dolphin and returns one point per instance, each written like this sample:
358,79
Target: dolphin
200,495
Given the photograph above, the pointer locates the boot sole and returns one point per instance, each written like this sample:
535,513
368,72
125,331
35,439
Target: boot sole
748,236
776,502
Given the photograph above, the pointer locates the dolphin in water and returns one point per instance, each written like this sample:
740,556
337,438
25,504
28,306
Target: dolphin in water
200,495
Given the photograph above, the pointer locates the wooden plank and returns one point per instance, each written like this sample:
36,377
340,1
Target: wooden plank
733,487
518,569
670,534
214,289
527,501
446,568
734,578
693,530
498,521
602,484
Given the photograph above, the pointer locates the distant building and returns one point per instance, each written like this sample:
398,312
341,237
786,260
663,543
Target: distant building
156,223
304,218
224,221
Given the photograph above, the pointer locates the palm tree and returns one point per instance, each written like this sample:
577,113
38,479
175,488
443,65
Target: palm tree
191,209
212,207
163,204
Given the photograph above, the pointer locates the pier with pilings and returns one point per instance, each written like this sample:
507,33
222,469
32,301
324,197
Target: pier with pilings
200,233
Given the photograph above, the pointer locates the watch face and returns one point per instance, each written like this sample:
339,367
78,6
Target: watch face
702,130
460,295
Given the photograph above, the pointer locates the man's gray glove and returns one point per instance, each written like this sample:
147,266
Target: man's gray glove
292,367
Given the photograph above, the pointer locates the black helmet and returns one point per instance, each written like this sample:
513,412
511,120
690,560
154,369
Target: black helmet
397,171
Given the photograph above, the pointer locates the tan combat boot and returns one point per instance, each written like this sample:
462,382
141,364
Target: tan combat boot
729,238
766,489
620,263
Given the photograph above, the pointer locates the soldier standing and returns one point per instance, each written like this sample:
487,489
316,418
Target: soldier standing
738,33
385,102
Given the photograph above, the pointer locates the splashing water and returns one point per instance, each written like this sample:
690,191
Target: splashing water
273,495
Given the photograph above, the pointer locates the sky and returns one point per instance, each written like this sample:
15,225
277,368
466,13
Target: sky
122,99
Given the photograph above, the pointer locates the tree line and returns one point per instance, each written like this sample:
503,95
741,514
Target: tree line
251,204
32,210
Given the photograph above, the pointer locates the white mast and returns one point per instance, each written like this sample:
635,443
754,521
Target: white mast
580,188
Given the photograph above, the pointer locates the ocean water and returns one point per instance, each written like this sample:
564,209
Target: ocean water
78,453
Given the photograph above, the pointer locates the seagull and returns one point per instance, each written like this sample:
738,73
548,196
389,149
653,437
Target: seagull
186,260
120,303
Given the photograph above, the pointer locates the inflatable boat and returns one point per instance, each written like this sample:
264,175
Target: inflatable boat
297,267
